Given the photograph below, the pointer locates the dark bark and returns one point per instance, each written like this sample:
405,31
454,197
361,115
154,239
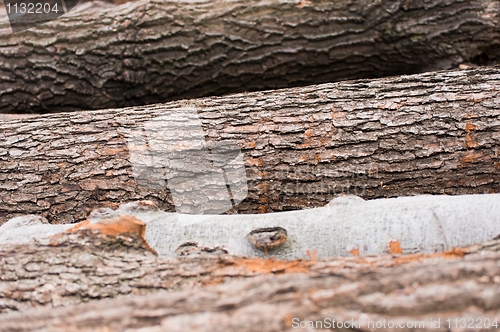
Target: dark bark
155,51
434,133
87,266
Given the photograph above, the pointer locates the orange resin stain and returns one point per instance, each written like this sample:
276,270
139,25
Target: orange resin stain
308,133
116,226
355,252
263,209
288,320
254,162
271,265
452,253
470,158
470,127
250,145
394,247
470,142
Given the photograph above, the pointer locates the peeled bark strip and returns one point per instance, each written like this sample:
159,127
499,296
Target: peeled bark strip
428,133
81,267
155,51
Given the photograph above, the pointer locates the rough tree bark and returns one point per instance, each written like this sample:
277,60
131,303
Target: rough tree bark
155,51
86,265
428,133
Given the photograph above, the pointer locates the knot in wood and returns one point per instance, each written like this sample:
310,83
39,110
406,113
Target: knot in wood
193,249
268,237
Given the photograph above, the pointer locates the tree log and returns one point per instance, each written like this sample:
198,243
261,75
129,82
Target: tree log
347,225
433,133
155,51
86,266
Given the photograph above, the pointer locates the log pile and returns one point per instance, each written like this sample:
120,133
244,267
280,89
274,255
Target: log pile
431,130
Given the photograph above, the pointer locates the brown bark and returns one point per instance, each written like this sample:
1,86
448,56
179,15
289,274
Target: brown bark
155,51
434,133
87,266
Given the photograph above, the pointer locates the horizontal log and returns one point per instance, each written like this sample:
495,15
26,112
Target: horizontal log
347,226
433,133
155,51
233,293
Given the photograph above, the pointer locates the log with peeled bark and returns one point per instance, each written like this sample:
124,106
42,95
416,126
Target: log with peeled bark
155,51
434,133
347,225
228,293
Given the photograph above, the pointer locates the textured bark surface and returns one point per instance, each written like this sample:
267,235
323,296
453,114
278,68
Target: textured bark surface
400,136
87,266
75,268
155,51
